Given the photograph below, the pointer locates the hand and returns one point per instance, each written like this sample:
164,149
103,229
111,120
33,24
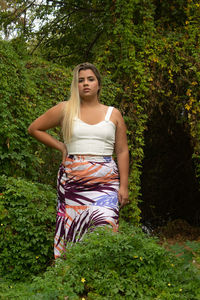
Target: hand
64,152
123,196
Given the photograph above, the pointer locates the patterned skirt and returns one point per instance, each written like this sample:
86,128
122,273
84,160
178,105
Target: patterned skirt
87,198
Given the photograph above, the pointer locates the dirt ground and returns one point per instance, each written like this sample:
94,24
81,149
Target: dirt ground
179,232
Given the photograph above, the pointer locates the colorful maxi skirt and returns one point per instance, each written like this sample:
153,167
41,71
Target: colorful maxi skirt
87,198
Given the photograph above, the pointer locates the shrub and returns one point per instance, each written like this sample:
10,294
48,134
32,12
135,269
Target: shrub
106,265
27,219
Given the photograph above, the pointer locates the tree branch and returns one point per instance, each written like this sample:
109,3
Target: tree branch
93,43
20,13
49,27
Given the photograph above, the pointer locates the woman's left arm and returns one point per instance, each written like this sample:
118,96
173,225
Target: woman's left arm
121,150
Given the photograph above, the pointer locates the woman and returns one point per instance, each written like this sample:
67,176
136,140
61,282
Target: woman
89,186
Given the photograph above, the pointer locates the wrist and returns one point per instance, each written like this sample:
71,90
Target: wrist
123,182
61,147
123,186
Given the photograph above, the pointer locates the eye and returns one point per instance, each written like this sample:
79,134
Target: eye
80,80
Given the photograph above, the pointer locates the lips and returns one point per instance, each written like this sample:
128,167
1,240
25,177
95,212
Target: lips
86,90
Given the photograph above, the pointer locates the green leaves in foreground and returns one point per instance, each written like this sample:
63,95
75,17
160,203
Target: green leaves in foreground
107,265
27,224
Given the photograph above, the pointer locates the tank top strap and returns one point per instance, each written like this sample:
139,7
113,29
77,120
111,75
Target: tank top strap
108,114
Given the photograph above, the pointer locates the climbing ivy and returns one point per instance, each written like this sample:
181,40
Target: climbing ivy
148,53
157,65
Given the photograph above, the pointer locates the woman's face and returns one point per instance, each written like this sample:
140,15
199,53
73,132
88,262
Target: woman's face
88,84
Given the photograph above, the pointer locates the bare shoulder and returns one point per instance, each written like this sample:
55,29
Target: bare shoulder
117,113
51,118
116,117
57,110
60,106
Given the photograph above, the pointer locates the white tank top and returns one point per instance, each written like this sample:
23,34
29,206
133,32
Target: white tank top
97,139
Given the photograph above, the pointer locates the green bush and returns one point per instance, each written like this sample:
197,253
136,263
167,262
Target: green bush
106,265
27,224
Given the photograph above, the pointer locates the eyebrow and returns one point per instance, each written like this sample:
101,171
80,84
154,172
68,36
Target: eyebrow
87,77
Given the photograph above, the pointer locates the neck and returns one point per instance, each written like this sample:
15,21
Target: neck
89,102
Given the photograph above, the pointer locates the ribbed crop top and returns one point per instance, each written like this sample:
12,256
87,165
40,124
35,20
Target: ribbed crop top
97,139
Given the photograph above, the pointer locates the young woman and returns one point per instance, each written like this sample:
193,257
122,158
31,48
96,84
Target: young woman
89,184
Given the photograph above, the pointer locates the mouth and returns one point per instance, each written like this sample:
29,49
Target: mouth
86,90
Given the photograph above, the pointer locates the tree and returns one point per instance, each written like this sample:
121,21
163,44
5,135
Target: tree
15,17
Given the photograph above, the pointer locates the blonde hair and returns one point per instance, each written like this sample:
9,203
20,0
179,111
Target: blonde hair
72,107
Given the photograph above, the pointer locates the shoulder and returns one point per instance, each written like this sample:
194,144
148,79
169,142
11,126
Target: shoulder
56,111
116,117
50,119
117,113
59,108
61,105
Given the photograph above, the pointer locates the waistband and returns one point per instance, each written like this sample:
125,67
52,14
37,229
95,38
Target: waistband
97,158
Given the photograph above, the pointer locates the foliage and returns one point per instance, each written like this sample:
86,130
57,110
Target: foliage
123,55
28,88
158,67
173,58
189,251
68,27
149,49
106,265
148,52
27,221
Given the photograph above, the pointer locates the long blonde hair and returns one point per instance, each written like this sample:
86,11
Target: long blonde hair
72,107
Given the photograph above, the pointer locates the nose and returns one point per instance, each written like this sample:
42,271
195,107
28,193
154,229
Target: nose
85,82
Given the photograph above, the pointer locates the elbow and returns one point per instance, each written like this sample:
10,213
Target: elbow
122,150
30,130
123,155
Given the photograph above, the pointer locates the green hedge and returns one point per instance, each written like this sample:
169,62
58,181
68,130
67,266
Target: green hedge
27,224
28,88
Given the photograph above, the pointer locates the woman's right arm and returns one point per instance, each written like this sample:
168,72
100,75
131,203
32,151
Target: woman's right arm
51,118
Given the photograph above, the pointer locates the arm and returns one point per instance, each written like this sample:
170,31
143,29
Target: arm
50,119
121,149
